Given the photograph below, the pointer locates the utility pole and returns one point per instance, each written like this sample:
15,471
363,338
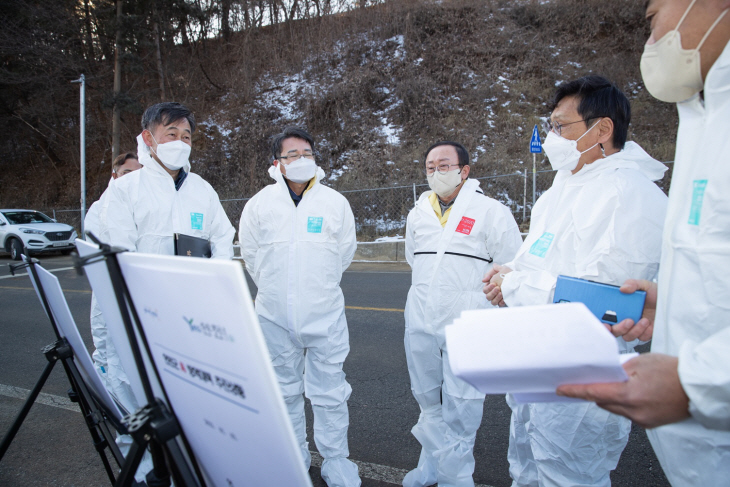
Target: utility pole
534,176
82,81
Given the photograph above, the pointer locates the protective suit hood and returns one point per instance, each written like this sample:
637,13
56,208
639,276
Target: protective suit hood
467,186
717,84
632,156
144,155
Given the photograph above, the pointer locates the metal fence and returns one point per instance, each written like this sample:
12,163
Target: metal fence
382,211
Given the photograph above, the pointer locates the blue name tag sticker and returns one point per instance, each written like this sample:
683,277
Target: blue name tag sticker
542,244
314,224
196,221
698,195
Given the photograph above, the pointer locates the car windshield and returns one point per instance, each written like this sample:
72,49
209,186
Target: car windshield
25,217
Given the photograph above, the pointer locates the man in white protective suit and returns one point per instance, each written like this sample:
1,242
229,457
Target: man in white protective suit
600,220
297,238
149,206
452,236
146,208
95,222
105,356
682,388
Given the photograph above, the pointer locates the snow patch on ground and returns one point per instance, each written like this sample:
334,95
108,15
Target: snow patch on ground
337,173
394,238
389,131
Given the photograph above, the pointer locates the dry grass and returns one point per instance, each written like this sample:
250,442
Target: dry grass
445,82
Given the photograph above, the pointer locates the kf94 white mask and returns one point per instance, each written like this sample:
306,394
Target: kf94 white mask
174,155
670,72
301,170
563,153
444,184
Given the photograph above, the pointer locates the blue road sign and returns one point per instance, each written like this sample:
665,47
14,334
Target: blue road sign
535,143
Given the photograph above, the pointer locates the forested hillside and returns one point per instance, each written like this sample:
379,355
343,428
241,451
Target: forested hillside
376,83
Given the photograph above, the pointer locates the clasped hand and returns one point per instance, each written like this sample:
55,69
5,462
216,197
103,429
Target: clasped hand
493,284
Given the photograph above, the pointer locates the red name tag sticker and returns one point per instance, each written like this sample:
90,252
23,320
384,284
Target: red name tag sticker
465,225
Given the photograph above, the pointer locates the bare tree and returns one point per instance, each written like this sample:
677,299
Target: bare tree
158,52
225,19
116,117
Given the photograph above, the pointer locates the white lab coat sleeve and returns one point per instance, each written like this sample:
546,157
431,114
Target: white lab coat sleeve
704,371
504,239
527,288
248,230
221,230
410,239
121,228
347,240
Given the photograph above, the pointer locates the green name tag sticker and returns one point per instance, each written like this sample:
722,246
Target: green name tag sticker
196,221
542,244
698,195
314,224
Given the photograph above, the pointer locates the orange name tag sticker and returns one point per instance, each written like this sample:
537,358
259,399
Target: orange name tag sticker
465,225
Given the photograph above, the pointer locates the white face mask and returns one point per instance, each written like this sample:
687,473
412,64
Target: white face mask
563,153
444,185
670,72
174,155
301,170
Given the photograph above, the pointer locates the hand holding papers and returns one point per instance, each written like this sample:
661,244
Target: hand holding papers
530,351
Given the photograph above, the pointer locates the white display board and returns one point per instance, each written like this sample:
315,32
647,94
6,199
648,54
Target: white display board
198,318
98,276
67,328
529,351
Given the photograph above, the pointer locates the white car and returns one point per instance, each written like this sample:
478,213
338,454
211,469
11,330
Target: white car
30,231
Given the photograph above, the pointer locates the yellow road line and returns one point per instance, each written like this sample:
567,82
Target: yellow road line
31,289
363,308
395,310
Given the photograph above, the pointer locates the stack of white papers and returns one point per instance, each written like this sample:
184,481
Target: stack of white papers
529,351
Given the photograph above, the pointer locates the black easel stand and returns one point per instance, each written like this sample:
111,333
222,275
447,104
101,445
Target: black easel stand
96,418
152,426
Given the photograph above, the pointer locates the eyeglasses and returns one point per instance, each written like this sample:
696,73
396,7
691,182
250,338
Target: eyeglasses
441,168
293,156
557,127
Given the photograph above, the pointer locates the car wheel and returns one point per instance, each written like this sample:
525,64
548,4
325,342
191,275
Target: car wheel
16,249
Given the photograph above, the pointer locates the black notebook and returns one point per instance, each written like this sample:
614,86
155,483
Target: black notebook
191,246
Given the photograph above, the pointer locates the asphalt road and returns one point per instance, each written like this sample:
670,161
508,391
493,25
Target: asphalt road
53,446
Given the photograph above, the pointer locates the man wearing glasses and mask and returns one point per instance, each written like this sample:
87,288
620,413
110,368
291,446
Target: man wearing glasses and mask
601,220
452,236
297,238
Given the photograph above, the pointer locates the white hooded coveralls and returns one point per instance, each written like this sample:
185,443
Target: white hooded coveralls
604,224
141,212
296,256
145,211
105,355
448,265
693,309
93,223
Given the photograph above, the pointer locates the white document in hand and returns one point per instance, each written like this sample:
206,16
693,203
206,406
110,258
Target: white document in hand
529,351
